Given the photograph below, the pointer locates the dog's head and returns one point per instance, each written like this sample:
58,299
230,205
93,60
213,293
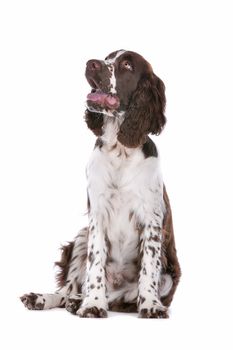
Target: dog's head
124,84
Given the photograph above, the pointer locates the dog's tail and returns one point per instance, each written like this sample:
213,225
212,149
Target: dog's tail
64,264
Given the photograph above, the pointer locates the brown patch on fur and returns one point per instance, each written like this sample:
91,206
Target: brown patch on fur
91,258
131,215
121,306
63,264
113,147
149,149
99,143
140,228
145,113
107,242
73,305
152,249
94,122
169,255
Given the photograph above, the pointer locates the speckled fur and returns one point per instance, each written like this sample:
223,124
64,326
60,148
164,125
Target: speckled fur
125,260
101,266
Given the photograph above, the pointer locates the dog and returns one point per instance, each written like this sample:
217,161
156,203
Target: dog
125,260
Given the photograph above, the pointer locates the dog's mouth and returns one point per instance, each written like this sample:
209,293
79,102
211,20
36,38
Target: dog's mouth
102,99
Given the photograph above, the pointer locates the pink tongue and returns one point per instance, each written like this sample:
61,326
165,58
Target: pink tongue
104,99
110,100
96,97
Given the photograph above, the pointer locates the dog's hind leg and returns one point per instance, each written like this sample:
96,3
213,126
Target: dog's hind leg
70,278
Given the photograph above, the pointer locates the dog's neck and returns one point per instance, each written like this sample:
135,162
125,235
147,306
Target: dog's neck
116,151
111,128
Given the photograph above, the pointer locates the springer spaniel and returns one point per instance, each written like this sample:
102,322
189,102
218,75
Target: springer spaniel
125,260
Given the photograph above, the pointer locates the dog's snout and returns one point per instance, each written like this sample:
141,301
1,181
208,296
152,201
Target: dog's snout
98,75
94,65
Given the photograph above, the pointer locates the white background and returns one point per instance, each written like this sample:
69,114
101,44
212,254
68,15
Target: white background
45,145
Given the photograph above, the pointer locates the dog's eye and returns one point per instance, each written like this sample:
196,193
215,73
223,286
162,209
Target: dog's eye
126,65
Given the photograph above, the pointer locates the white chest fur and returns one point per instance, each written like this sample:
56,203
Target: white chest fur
122,186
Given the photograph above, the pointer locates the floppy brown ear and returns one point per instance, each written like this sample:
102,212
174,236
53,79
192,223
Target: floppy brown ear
145,113
94,122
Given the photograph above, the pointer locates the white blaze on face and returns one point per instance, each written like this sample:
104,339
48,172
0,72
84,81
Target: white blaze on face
110,63
112,60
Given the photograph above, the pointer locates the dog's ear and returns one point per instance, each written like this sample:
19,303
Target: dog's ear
145,113
94,122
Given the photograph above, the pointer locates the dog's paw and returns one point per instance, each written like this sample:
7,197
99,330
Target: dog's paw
92,312
73,304
33,301
153,313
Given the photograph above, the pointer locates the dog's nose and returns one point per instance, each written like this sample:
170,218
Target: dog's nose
94,65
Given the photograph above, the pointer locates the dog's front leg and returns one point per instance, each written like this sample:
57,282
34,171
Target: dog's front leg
149,303
95,301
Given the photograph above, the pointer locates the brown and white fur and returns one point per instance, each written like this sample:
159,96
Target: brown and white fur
125,260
